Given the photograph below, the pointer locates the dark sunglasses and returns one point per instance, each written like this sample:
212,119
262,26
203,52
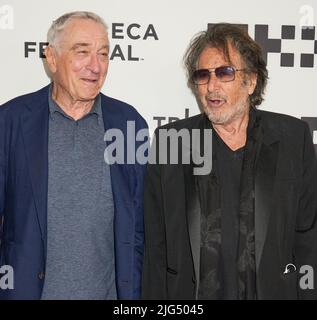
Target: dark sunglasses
223,74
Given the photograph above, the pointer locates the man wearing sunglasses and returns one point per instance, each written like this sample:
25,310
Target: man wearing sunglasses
247,229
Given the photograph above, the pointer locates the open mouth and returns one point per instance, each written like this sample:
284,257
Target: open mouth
216,102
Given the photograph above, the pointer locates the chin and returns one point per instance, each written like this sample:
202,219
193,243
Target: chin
90,96
225,117
217,117
89,92
217,120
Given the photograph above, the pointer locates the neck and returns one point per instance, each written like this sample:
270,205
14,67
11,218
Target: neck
72,107
234,127
234,134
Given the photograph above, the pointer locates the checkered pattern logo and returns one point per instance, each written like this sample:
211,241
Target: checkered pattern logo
274,45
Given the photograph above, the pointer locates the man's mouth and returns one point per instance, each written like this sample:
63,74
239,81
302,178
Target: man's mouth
87,80
215,102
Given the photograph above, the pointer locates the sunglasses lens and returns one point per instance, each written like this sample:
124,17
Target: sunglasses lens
201,76
225,74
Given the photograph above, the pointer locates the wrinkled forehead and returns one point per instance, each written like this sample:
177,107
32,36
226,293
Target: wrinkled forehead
83,31
227,54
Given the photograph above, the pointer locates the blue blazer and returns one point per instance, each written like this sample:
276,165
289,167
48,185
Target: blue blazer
23,196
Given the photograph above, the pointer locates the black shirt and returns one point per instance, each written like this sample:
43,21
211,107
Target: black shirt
229,168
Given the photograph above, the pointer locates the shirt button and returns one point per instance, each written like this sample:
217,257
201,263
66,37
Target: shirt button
41,275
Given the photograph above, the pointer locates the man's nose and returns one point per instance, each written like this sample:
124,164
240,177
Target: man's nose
94,64
213,82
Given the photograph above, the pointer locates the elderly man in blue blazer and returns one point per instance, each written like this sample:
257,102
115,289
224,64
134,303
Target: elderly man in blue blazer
71,222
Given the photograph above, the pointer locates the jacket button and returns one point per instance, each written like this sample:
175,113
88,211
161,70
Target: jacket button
41,275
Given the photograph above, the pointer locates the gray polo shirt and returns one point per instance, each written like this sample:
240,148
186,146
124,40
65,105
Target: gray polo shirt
80,241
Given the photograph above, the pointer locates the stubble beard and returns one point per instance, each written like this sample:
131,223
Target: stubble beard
222,118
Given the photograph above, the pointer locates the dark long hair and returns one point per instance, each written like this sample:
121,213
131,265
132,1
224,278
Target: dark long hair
219,36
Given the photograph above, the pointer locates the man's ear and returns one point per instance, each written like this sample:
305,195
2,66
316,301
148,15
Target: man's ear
51,58
252,79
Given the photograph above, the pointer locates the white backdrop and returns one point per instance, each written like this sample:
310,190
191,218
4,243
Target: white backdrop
153,80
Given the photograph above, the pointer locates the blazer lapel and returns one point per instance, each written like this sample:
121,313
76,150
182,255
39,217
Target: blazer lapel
193,205
35,136
118,172
123,205
193,211
264,186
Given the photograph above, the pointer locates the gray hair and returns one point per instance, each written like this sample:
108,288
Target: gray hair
59,24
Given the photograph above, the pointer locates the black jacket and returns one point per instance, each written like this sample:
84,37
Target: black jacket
285,195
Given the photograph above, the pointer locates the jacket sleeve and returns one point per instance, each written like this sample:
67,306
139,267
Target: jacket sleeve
154,269
305,249
2,168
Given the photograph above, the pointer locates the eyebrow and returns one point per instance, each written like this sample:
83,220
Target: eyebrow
106,46
80,44
85,44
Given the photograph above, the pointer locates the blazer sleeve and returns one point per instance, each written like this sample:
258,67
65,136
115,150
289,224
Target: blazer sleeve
305,249
154,269
2,168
